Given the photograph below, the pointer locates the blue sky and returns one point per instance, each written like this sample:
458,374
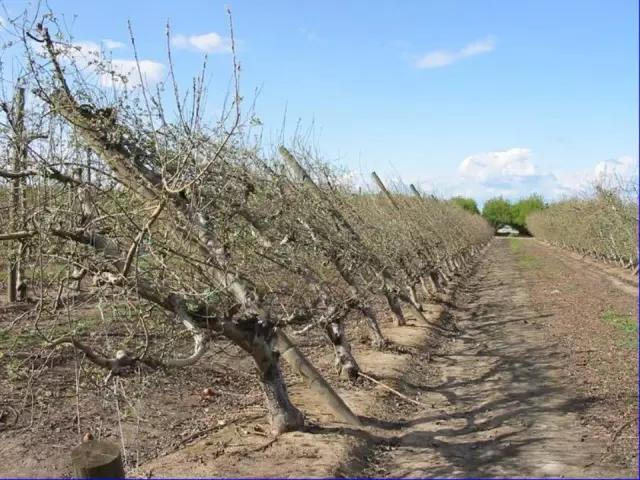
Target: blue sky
460,97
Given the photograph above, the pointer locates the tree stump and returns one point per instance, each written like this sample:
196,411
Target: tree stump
97,459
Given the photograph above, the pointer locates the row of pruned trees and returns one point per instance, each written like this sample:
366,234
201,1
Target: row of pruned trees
603,225
190,230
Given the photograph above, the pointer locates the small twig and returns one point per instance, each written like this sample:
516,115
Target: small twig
262,447
115,392
387,387
205,431
619,431
138,239
239,395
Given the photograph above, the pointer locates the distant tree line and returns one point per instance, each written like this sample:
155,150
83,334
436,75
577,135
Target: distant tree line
468,204
499,211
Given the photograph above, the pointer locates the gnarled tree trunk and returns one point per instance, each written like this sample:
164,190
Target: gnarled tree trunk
396,309
377,339
413,296
344,360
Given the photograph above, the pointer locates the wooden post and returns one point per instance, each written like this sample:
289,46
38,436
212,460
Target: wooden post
314,379
301,175
376,179
97,459
298,170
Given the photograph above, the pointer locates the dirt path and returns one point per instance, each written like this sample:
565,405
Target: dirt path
539,381
508,401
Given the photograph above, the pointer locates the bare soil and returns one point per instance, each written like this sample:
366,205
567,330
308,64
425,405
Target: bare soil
536,385
539,379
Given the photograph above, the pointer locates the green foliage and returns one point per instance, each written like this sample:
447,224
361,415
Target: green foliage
624,323
521,209
497,211
516,245
468,204
525,260
16,370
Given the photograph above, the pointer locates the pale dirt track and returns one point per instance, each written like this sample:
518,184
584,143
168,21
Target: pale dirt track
510,407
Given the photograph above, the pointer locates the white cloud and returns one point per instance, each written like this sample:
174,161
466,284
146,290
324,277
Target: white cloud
112,44
621,171
476,48
436,59
622,168
513,174
441,58
84,50
211,42
152,72
515,162
114,71
310,35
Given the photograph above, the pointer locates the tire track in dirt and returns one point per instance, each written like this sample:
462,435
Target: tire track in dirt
503,405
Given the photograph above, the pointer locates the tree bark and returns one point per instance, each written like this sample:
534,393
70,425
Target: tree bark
434,280
258,338
16,282
345,362
413,296
425,289
417,312
283,416
97,459
396,309
377,339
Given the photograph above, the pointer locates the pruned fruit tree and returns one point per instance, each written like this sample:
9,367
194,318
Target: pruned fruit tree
115,192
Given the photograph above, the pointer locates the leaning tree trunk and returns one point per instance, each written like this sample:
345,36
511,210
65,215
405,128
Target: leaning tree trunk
377,339
396,309
118,149
334,328
258,338
434,281
427,290
417,312
16,282
413,296
283,416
